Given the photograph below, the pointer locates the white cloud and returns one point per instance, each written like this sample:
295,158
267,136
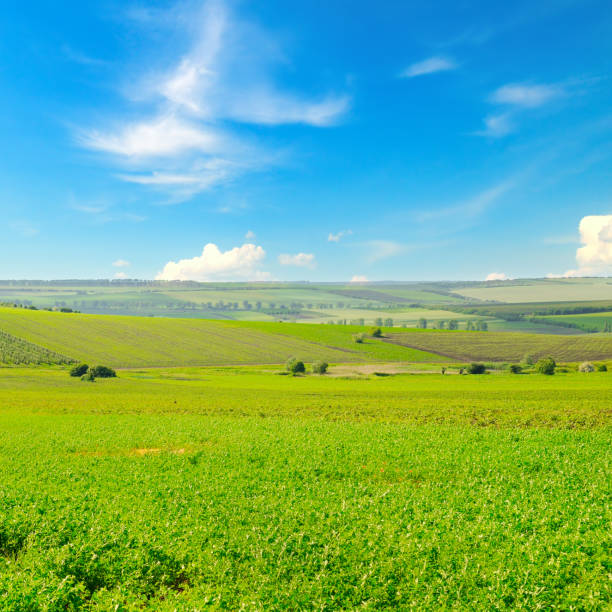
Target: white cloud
224,74
525,95
250,235
359,278
595,256
302,260
429,66
120,275
337,237
496,276
121,263
239,263
165,135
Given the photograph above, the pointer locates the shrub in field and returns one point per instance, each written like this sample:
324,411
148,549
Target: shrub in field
295,366
320,367
602,367
359,338
528,360
546,366
79,370
377,332
515,368
103,372
586,366
476,368
89,377
443,370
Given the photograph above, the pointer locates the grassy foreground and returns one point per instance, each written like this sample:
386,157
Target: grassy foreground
237,488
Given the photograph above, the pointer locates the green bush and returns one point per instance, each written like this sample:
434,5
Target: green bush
359,338
515,368
546,366
528,360
295,366
476,368
377,332
320,367
89,377
103,372
602,367
79,370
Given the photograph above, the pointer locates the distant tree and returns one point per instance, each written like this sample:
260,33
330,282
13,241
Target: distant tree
359,338
388,322
376,332
453,324
586,367
79,370
602,367
482,326
320,367
422,323
295,366
476,368
101,371
441,324
470,326
546,366
378,321
89,377
443,370
515,368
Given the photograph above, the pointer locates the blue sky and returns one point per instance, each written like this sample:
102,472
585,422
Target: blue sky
317,140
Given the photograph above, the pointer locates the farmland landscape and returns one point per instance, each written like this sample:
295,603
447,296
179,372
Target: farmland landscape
305,306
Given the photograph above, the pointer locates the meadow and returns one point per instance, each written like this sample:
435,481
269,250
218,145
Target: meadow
238,488
590,322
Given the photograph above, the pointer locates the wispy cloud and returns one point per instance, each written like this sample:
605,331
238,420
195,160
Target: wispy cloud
81,58
497,126
121,263
301,260
526,95
472,207
384,249
337,237
190,142
429,66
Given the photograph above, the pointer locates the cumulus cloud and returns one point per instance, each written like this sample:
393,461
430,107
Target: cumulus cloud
239,263
337,237
302,260
496,276
594,257
250,235
184,140
359,278
429,66
121,263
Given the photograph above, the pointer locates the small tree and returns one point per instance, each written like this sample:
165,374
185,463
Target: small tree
602,367
586,366
515,368
453,324
422,324
79,370
377,332
320,367
359,338
388,322
89,377
378,321
101,371
441,324
476,368
546,366
295,366
443,370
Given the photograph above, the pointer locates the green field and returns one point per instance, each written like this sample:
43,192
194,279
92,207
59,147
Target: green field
590,322
121,341
15,350
505,347
239,489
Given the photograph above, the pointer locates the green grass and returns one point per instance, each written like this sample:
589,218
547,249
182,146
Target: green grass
493,346
122,341
239,489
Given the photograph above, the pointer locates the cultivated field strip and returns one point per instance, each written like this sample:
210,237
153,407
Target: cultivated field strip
15,351
488,346
123,341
